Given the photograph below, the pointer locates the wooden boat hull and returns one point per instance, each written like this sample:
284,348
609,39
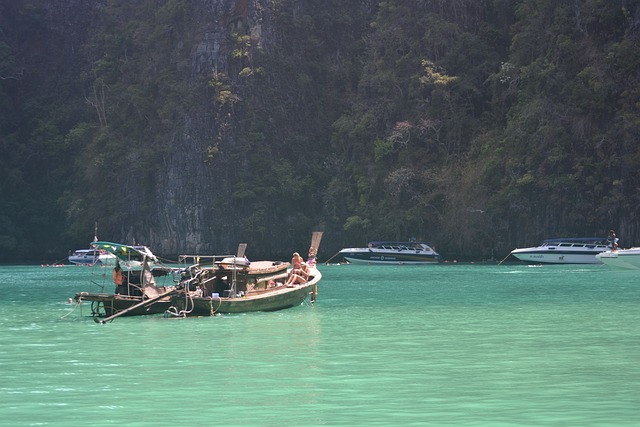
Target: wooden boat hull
106,305
272,299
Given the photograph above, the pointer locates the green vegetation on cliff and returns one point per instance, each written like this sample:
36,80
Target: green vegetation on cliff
477,125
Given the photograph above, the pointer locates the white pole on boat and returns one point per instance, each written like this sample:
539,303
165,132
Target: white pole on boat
316,237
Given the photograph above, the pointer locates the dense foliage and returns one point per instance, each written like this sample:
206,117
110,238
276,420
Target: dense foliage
478,125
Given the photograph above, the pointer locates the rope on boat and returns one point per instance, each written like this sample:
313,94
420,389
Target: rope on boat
213,310
74,308
503,260
173,311
59,262
327,261
167,261
189,305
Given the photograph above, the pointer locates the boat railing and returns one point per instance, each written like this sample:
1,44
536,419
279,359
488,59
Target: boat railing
583,245
196,259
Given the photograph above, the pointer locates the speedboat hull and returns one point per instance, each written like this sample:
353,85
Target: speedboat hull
392,253
553,257
355,257
564,251
622,258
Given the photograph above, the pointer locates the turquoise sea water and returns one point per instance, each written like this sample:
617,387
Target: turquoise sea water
448,345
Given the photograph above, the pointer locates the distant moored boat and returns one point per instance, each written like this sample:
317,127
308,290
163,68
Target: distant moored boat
621,258
92,256
392,253
571,250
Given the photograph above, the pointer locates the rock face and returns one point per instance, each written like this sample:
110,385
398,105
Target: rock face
193,210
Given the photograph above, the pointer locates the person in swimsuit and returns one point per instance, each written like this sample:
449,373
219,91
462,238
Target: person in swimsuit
299,270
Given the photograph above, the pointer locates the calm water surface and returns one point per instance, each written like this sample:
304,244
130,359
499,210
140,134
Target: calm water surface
449,345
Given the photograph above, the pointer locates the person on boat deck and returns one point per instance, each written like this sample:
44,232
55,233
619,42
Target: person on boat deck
613,240
298,275
118,278
311,260
296,262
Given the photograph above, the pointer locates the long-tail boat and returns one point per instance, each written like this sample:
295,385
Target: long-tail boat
227,288
134,279
234,283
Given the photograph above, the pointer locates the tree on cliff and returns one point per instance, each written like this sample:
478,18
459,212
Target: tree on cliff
479,126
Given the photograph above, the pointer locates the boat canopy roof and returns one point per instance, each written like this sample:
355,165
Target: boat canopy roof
576,240
398,244
390,242
85,251
126,252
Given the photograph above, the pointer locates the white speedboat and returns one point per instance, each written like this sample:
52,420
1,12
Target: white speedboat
622,258
93,256
392,253
573,250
